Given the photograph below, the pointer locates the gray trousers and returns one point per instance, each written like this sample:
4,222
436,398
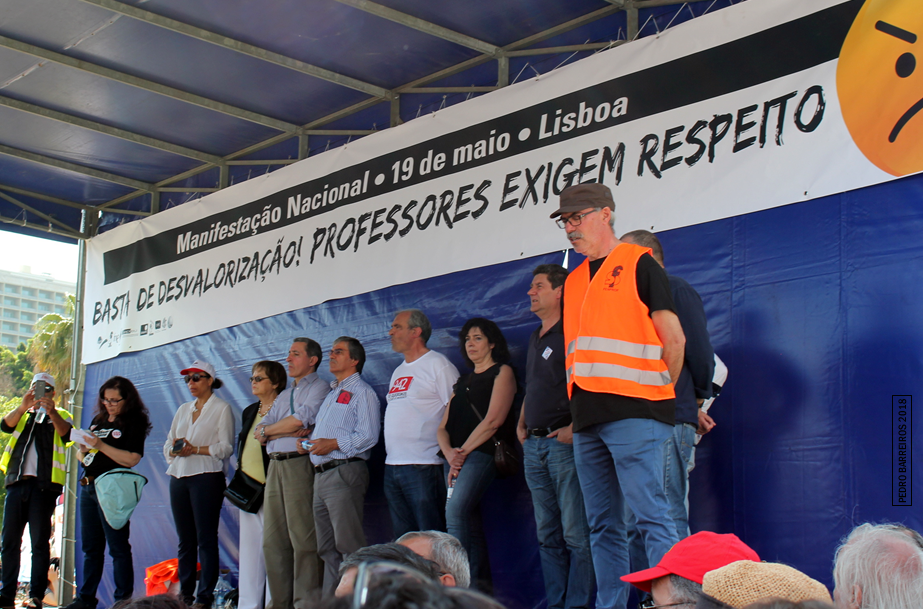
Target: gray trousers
289,537
339,497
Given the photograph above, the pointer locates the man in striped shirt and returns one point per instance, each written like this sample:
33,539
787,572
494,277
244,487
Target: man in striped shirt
348,426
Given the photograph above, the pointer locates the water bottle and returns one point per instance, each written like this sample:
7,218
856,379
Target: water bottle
221,590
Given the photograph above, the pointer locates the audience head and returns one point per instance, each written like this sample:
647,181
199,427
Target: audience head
677,578
878,567
745,582
779,603
393,553
158,601
347,352
274,371
443,549
645,238
304,357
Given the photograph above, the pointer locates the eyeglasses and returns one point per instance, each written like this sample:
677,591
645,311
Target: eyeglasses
368,571
195,377
258,379
112,402
649,604
575,219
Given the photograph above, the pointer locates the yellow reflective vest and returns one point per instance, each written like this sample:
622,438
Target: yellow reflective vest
58,457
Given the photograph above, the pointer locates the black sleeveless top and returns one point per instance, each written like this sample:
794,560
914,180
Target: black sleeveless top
471,389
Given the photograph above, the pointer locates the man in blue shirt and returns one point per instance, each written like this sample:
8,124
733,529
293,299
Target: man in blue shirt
348,425
692,388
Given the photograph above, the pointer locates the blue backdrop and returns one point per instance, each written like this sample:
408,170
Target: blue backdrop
814,307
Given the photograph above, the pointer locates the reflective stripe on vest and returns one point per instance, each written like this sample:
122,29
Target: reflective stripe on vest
614,371
614,345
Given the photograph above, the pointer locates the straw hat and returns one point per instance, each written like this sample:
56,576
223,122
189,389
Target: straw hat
743,582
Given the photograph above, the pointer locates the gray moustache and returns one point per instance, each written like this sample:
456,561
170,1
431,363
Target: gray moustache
574,236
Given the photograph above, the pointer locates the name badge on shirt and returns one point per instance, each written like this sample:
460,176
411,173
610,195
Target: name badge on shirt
547,353
344,397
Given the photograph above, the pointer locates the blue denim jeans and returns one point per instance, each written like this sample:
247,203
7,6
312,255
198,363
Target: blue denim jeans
619,464
463,514
560,522
678,459
26,503
416,497
95,533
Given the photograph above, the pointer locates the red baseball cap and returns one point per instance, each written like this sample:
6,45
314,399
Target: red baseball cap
693,557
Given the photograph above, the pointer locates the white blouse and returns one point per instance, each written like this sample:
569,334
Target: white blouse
214,428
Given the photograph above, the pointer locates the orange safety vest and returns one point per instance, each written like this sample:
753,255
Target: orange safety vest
612,346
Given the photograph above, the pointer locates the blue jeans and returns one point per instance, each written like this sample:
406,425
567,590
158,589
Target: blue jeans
95,533
196,505
463,514
416,497
26,503
619,464
560,522
679,459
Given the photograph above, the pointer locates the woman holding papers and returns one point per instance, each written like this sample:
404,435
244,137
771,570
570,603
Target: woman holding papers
201,439
115,439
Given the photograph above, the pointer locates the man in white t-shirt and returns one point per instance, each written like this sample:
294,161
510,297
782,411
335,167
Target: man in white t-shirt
420,389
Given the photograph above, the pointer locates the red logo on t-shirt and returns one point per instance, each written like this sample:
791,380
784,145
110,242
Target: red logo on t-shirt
344,397
401,384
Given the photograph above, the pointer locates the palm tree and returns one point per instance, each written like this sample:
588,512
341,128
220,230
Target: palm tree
50,349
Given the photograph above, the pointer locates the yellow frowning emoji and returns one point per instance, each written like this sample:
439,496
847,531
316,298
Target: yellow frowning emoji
879,81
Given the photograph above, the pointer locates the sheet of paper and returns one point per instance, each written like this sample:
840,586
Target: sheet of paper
79,435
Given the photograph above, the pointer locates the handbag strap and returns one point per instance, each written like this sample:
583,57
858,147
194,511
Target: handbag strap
467,395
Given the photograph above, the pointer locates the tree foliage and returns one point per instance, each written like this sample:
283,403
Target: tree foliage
15,371
50,349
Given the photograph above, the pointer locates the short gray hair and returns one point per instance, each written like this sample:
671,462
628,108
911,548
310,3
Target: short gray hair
685,590
418,319
885,564
447,552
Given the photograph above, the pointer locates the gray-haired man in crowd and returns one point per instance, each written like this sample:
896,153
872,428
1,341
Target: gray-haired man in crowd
446,551
878,567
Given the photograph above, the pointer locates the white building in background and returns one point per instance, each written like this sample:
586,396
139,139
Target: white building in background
24,299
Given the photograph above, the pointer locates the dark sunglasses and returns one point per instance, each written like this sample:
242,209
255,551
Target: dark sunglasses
195,377
258,379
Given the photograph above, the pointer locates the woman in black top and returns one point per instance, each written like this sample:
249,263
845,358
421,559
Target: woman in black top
119,429
465,436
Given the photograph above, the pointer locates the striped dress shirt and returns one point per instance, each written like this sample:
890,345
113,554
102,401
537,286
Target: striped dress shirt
351,413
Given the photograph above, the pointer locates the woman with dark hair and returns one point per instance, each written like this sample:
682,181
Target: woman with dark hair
118,430
267,381
479,408
201,438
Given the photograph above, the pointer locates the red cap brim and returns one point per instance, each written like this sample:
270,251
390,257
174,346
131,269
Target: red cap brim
643,579
191,371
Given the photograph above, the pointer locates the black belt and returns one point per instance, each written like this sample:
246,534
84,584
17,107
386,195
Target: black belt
87,480
323,467
284,456
542,432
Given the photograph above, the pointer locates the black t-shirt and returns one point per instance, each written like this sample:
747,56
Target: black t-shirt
589,408
547,405
125,434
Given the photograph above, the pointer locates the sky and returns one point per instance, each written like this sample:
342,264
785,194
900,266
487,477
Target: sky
44,256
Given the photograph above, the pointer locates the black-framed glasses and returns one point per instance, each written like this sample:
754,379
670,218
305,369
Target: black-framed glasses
368,571
575,219
195,377
258,379
648,603
111,402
